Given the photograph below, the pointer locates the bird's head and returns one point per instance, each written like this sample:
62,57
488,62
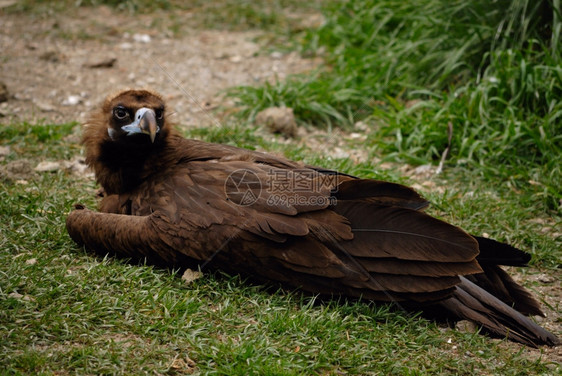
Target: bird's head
124,139
134,115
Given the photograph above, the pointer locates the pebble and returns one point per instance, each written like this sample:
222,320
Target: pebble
126,46
142,38
278,120
190,276
4,150
3,92
47,166
72,100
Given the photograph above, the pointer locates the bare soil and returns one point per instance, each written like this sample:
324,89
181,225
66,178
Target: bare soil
57,67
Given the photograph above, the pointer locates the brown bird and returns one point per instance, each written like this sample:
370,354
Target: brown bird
183,202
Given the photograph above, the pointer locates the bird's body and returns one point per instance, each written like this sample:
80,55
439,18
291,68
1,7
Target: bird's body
184,202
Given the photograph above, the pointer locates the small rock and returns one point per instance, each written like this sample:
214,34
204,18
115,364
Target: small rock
72,100
357,136
47,166
77,166
339,153
190,276
540,319
412,103
16,170
44,106
362,126
3,92
423,170
51,56
126,46
386,166
466,326
142,38
183,365
4,150
278,120
220,55
31,261
553,366
276,55
235,59
429,184
417,187
15,295
7,3
545,278
104,63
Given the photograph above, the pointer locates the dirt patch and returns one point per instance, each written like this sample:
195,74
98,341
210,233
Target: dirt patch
57,67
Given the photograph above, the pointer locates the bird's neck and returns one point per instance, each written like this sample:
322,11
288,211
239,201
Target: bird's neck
121,168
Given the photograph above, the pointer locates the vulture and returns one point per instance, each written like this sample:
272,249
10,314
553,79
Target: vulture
188,203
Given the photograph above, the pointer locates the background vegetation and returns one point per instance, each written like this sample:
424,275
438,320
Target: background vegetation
491,69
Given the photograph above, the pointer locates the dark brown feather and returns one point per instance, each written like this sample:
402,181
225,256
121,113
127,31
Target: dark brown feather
473,303
380,192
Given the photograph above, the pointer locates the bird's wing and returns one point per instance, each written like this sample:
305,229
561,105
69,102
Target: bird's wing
334,234
253,197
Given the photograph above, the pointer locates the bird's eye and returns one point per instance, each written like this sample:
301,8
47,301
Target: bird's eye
120,113
159,113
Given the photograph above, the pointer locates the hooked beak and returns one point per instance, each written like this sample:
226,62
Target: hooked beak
148,124
145,122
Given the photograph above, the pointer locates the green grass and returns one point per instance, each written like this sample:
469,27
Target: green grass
63,310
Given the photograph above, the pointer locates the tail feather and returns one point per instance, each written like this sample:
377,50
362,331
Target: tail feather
471,302
500,284
497,253
497,282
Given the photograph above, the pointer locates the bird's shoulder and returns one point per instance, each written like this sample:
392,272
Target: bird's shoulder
187,150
